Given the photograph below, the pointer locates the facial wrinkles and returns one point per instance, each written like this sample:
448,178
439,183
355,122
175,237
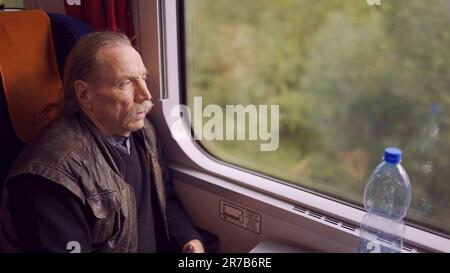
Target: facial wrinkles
114,100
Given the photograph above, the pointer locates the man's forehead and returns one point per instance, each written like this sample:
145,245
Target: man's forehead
122,59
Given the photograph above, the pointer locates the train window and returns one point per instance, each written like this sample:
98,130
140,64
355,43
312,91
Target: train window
11,4
349,78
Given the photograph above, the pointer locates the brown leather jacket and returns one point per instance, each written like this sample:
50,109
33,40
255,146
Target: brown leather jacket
73,154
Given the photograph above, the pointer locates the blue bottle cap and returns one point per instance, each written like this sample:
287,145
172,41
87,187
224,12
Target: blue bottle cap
392,155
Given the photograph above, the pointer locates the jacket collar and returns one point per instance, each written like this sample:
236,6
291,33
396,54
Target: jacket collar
107,147
113,158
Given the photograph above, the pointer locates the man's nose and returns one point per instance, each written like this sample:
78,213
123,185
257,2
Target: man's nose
141,91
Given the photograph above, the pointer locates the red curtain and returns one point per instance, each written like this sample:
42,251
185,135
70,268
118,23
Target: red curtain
112,15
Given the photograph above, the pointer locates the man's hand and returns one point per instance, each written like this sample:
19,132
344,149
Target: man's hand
193,246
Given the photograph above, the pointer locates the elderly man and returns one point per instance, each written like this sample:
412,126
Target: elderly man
95,180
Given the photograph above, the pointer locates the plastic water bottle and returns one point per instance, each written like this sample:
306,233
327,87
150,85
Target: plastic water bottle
387,197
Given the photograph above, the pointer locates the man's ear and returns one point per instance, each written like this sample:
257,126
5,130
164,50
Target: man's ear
83,95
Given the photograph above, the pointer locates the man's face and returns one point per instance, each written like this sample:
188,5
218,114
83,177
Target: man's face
120,98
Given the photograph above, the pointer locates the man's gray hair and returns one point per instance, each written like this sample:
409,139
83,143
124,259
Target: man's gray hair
84,63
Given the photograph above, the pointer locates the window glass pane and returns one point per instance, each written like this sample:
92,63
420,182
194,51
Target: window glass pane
350,79
11,3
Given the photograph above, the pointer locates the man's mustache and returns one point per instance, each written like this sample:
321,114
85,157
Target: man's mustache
145,106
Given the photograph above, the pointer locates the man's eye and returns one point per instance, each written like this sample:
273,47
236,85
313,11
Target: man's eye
144,77
125,83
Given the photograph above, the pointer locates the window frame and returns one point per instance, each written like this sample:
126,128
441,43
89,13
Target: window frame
191,154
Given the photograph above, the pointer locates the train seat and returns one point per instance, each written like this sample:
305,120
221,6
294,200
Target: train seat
33,50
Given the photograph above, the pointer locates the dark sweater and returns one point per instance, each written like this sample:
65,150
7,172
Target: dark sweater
138,175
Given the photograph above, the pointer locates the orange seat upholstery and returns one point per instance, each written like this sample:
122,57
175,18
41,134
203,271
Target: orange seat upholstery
28,68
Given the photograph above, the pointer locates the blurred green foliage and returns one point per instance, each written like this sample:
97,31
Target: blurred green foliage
12,3
350,79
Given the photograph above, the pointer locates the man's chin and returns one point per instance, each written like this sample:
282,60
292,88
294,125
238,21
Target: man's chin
137,125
